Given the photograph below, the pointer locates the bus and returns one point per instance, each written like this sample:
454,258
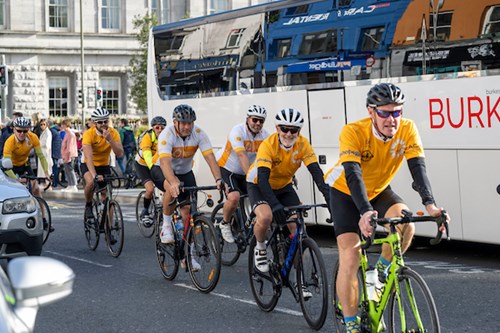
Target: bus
322,57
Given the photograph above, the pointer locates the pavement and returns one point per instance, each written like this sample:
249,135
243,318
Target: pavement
123,196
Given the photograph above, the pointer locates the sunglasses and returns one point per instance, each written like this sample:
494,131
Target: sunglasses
22,131
386,114
43,124
100,122
292,130
159,127
257,120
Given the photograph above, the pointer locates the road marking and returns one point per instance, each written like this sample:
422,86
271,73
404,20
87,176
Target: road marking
241,300
79,259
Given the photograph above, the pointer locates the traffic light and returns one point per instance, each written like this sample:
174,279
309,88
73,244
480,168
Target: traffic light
80,97
98,95
4,75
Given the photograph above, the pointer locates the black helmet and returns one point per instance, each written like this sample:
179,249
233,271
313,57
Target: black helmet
158,120
383,94
184,113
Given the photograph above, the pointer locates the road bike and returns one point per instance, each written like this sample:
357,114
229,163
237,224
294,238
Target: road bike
198,241
309,285
107,218
44,207
132,180
147,228
403,295
241,226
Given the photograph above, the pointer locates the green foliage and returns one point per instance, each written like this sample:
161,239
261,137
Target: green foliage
139,62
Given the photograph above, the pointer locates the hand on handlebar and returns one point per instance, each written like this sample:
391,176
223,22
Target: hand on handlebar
365,224
435,211
99,178
174,188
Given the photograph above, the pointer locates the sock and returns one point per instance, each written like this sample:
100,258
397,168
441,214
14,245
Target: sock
382,266
352,324
147,203
260,245
167,222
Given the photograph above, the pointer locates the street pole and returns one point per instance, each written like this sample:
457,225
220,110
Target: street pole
3,93
82,64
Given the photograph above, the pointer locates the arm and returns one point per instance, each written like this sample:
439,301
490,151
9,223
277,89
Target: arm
318,177
114,141
43,161
89,159
263,174
422,185
244,161
168,172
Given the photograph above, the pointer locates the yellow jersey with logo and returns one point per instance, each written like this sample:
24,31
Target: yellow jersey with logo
240,139
101,149
149,142
283,163
182,150
19,151
379,160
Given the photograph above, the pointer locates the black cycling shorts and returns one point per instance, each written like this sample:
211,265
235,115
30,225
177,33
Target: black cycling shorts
286,195
23,170
143,172
102,170
346,215
187,179
234,181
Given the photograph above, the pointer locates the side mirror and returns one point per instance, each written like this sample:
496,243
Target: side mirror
7,164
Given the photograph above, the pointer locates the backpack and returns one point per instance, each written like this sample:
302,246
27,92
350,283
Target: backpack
128,139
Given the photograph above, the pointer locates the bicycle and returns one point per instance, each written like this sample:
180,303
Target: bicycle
310,287
107,218
405,295
131,178
241,226
146,228
198,241
44,207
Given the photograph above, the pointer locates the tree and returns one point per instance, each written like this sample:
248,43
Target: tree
139,62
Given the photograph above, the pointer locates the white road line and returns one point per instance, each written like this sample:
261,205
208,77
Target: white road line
78,259
241,300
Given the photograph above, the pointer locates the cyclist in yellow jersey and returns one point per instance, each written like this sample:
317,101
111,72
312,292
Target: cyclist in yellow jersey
236,157
269,179
371,152
97,143
145,158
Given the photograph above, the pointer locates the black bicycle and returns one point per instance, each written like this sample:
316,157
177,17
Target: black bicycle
44,207
147,227
197,243
310,286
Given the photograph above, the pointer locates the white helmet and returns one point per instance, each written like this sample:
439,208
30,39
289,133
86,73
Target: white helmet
99,113
22,122
257,111
289,117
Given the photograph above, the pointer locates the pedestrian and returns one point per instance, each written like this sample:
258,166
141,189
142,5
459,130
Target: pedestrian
56,153
46,145
8,130
68,154
128,143
36,118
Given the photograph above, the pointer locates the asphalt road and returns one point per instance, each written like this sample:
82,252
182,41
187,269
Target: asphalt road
128,294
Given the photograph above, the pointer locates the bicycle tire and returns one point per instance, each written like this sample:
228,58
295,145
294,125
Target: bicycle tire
147,230
229,251
114,229
91,227
311,274
167,255
416,301
202,245
45,211
263,285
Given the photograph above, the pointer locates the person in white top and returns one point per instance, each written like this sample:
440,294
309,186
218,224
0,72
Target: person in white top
235,159
177,145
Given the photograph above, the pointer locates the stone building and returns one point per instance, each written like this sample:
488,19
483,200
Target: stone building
40,43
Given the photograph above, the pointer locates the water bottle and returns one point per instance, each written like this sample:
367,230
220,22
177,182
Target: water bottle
179,226
371,284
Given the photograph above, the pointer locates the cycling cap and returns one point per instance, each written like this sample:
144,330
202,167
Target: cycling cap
99,113
22,122
289,117
257,111
383,94
184,113
158,120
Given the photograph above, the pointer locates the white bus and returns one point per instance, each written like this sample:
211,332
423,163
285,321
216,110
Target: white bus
222,64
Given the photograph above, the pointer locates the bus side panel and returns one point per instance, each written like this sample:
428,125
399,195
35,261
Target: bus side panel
327,116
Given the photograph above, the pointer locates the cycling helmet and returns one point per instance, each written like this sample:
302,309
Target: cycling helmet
158,120
383,94
99,113
289,117
184,112
257,111
22,122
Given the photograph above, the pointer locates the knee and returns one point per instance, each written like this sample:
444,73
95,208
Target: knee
233,198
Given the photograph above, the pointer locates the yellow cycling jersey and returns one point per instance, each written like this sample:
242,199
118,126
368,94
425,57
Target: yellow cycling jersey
379,160
240,139
282,163
19,151
101,149
148,148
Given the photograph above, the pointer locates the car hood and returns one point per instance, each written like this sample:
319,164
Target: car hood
9,188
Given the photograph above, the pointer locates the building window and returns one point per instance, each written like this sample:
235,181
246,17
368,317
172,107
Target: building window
234,38
492,21
371,38
2,13
111,94
319,42
58,96
110,12
217,6
299,10
58,13
282,47
443,26
162,9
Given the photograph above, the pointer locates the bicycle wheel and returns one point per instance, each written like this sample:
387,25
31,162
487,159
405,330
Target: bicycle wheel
91,227
116,182
229,251
46,217
311,277
146,228
166,254
113,228
203,254
413,308
264,288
